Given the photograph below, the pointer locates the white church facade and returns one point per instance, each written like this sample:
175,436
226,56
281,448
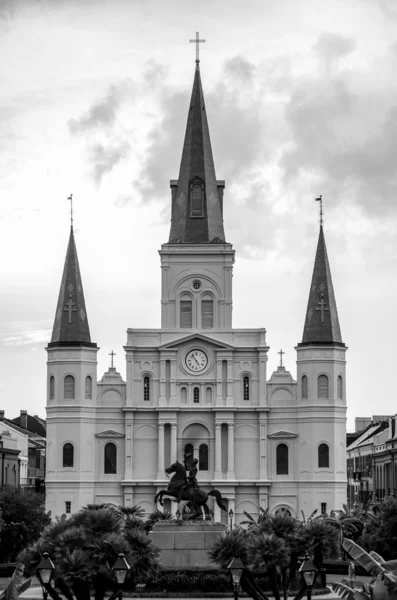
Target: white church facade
196,387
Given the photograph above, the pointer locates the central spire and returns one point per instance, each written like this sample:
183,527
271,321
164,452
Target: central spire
197,196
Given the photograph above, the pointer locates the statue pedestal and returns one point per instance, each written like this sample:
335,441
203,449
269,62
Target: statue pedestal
186,546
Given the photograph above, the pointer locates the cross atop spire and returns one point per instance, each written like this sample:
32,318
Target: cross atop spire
70,198
320,199
197,41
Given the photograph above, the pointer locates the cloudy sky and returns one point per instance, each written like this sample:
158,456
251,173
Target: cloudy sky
301,100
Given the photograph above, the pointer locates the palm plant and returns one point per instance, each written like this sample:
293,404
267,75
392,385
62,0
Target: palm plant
84,548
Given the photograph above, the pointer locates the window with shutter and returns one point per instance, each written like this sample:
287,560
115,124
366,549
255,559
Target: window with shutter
304,388
340,387
282,459
197,199
52,387
196,395
146,389
323,456
68,387
207,313
322,386
88,387
67,455
246,388
110,459
186,313
203,457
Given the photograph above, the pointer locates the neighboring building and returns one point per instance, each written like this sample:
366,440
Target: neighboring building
196,387
30,440
372,460
9,459
17,440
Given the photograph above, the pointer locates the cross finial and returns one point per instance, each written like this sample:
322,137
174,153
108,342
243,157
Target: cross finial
320,199
197,41
70,198
112,354
281,357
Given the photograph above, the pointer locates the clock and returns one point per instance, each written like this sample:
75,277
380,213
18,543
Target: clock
196,360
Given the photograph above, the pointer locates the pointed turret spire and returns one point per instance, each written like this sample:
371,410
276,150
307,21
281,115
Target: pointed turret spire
197,196
322,323
71,323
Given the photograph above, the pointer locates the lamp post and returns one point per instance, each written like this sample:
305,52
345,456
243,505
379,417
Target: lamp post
231,515
45,571
120,570
236,568
308,571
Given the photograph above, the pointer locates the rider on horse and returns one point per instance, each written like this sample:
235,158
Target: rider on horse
191,482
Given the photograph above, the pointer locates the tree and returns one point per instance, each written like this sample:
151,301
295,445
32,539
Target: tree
84,548
380,532
22,520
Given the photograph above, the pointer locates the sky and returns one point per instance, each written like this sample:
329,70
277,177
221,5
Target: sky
301,101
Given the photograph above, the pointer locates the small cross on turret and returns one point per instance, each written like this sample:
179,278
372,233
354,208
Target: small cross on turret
281,357
112,354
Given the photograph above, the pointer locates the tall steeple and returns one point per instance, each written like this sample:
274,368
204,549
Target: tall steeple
322,323
71,324
197,210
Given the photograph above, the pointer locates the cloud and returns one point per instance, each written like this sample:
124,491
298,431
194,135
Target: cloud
26,333
331,47
103,158
103,113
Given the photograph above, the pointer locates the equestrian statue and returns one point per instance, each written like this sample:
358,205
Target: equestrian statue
185,487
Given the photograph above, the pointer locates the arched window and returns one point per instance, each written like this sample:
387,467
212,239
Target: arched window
339,387
304,387
246,387
52,387
110,459
67,455
183,395
146,388
203,457
188,455
207,312
282,459
88,387
68,387
208,395
323,456
196,395
322,386
186,311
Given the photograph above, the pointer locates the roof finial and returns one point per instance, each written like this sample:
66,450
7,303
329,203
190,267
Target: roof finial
197,41
71,210
112,354
320,199
281,357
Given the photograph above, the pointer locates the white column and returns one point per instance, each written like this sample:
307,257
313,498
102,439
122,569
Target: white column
218,452
173,442
160,457
230,451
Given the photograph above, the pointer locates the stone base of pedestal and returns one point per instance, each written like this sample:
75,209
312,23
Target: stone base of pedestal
186,546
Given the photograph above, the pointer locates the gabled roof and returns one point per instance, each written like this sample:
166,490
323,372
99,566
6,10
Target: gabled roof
197,166
282,435
109,433
322,322
366,437
196,336
33,425
71,323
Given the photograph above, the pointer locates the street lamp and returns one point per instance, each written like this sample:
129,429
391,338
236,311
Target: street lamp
231,515
120,570
308,571
236,568
45,571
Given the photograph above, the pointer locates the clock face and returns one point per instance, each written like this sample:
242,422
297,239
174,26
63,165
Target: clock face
196,360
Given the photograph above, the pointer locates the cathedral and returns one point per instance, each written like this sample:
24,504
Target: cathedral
196,388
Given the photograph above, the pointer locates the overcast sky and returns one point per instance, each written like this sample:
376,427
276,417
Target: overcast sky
301,101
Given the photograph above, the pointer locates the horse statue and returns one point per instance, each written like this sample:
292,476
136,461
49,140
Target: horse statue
197,497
